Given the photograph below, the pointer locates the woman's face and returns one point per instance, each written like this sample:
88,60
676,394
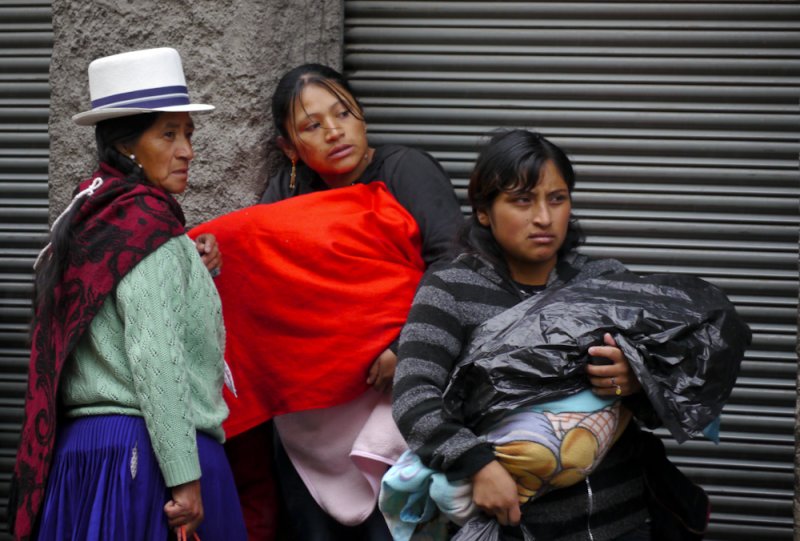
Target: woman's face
531,227
327,137
164,151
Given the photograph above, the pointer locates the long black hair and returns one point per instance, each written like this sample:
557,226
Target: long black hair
512,161
291,86
108,134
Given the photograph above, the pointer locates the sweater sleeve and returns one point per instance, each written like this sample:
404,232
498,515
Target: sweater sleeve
421,185
149,301
430,344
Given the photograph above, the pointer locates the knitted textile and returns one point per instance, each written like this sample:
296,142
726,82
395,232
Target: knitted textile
115,228
156,352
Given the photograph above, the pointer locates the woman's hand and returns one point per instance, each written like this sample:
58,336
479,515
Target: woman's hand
495,493
615,379
209,252
186,507
381,373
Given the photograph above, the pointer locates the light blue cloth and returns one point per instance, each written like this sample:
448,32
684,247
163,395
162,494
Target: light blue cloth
711,431
585,400
413,495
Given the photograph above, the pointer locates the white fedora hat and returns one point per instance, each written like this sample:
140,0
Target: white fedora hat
146,81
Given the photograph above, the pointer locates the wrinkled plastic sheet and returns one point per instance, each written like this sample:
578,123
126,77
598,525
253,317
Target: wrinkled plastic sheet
484,528
681,336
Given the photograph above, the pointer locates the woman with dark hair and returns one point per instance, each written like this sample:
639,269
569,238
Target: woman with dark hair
124,405
333,171
322,131
539,437
520,229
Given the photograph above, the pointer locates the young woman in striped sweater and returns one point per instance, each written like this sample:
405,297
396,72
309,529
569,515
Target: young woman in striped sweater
520,241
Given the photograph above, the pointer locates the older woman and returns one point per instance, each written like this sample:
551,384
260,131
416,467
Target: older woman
124,405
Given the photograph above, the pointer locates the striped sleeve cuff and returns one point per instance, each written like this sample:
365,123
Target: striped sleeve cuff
471,462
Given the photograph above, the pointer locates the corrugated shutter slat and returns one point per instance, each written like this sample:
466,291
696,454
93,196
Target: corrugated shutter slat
25,47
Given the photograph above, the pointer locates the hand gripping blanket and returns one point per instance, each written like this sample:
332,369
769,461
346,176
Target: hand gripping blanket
313,289
543,447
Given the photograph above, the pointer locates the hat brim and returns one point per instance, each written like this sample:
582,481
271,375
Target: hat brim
89,118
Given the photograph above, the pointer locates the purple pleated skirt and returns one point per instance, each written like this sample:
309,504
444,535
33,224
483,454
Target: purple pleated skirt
105,484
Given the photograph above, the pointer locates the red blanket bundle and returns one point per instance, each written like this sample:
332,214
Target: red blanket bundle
313,289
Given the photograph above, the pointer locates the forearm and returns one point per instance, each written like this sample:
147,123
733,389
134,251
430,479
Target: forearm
162,387
429,346
148,301
441,444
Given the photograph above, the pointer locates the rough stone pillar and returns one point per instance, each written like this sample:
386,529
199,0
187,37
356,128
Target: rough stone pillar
233,53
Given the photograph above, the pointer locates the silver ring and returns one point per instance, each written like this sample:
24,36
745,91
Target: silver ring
613,381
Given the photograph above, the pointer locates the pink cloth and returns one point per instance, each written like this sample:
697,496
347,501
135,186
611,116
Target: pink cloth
342,452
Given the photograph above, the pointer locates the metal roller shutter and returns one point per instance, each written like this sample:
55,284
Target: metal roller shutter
682,119
25,46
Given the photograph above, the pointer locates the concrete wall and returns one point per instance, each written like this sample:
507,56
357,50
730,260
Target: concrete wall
233,51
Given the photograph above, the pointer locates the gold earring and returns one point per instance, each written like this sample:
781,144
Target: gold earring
294,174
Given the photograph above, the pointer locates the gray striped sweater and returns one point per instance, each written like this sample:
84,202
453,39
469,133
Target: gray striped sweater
449,304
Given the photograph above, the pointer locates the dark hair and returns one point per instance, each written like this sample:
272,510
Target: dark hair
108,133
512,161
294,81
124,130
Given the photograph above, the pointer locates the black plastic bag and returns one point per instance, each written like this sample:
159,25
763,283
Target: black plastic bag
680,334
485,528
